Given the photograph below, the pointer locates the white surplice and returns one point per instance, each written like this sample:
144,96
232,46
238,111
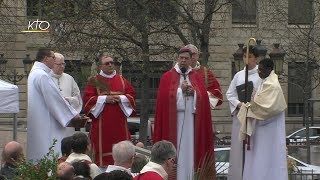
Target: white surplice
70,91
267,157
235,161
48,113
185,131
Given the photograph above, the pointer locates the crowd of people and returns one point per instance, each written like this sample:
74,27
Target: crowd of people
183,131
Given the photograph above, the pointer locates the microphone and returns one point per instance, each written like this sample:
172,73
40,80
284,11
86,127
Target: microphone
183,71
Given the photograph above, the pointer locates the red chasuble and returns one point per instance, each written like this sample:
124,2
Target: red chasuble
111,125
165,125
211,83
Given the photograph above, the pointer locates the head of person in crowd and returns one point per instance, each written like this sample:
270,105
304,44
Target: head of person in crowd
66,146
46,56
164,153
253,54
114,175
195,54
265,68
81,168
59,64
12,153
140,144
184,58
107,64
123,154
80,143
65,171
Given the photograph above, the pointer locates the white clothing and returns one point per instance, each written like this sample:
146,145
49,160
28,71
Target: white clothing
154,167
185,131
267,156
75,157
70,91
124,101
48,113
268,102
114,167
235,161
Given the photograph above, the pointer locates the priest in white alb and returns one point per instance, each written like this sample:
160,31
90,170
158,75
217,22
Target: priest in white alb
48,112
183,117
67,86
263,119
235,160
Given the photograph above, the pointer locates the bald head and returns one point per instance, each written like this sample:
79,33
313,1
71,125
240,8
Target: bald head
65,170
12,152
140,144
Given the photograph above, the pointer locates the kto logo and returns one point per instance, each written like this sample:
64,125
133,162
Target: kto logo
38,26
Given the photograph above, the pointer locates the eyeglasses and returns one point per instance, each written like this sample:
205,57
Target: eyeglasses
107,63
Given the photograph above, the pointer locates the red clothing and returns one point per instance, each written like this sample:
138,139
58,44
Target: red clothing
211,83
148,176
111,125
165,125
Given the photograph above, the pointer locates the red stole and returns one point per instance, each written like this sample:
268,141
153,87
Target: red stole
165,125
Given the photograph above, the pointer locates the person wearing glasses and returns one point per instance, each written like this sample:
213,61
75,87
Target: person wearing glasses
108,100
66,83
48,112
162,162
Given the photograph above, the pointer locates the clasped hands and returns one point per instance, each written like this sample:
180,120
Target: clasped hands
187,89
112,99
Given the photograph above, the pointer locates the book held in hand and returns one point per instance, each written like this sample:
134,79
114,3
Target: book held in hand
242,94
78,123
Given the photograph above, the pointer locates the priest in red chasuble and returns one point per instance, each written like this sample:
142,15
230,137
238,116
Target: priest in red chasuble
108,100
183,117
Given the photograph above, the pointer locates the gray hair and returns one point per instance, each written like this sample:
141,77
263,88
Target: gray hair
162,151
192,47
123,151
58,56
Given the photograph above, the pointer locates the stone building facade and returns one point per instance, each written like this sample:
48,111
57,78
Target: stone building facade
270,21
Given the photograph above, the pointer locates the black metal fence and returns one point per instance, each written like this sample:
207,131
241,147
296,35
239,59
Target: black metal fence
304,176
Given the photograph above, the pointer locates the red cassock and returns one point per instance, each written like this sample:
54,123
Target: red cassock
211,83
111,125
165,125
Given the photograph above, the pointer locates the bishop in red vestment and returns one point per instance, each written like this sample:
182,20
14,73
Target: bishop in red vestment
171,119
108,100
